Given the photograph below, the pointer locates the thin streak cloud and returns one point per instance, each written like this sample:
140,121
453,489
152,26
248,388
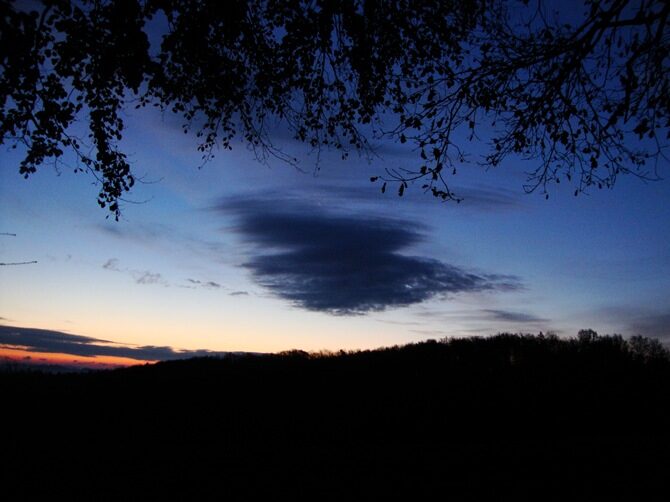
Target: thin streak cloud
510,316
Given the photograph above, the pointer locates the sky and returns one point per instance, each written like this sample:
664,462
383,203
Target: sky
235,255
238,255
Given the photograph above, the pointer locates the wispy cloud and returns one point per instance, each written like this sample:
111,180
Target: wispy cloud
147,277
400,323
139,276
429,332
203,284
490,199
138,232
345,264
112,264
474,198
514,316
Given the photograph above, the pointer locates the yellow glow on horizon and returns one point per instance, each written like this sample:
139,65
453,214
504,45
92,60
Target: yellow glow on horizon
247,333
30,357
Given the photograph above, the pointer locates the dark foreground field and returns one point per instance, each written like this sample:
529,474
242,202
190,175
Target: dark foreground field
480,419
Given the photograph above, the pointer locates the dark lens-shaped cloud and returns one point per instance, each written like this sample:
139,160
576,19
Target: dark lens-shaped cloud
345,264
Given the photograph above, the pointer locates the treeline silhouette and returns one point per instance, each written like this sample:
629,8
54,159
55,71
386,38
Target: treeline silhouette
511,416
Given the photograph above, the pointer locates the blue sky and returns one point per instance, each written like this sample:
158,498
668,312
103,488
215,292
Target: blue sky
238,255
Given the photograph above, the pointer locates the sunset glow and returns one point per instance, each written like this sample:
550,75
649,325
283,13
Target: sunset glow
11,355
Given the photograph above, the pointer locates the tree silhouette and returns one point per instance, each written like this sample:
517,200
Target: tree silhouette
554,418
585,100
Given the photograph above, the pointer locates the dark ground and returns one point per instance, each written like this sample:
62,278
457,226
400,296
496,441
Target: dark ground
508,417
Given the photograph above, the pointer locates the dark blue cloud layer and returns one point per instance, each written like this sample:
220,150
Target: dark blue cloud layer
518,317
41,340
345,264
655,324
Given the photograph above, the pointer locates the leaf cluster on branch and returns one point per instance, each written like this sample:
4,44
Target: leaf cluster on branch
584,100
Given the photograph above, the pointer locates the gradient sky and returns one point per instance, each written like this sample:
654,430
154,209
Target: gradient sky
240,256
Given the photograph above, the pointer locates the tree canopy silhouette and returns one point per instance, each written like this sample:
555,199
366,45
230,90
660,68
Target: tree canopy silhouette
585,95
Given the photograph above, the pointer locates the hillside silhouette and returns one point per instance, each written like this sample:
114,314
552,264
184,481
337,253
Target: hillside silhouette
511,416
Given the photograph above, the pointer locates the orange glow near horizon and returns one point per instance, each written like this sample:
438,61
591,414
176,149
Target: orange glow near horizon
30,357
